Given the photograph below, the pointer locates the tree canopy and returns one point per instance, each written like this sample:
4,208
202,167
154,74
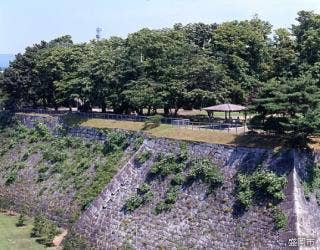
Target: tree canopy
186,66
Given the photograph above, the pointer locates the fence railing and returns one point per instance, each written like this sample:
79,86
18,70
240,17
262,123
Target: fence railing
111,116
234,128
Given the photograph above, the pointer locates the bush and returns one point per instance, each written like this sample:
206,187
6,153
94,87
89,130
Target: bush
152,122
11,178
44,230
260,185
280,218
116,141
166,165
207,172
178,179
244,192
162,206
170,199
143,157
142,196
312,182
133,203
74,241
21,220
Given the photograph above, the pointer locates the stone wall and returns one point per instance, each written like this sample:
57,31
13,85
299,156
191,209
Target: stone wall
57,127
197,221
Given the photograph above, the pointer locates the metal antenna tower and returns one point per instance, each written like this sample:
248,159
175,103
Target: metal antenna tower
98,34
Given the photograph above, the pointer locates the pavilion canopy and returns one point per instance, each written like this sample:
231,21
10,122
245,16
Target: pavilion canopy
227,107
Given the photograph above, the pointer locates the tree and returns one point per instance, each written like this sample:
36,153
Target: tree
286,104
284,54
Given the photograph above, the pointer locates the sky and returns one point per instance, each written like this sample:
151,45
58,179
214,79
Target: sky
25,22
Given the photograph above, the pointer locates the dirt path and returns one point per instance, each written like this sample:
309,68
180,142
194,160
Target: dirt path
59,238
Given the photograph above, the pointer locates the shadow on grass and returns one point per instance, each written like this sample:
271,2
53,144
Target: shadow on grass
73,120
259,141
6,119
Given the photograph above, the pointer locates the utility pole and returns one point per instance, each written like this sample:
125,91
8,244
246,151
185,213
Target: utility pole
98,34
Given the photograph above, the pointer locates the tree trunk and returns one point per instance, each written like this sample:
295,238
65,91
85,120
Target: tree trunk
103,107
166,110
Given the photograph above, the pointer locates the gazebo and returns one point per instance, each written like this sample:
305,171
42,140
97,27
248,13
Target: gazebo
227,108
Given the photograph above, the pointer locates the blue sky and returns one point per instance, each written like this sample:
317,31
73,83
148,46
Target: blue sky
24,23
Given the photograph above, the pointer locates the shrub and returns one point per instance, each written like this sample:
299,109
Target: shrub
21,220
152,122
143,189
312,182
138,142
73,241
11,178
142,196
162,206
54,155
244,191
207,172
167,203
166,165
143,157
44,230
171,195
260,185
127,246
116,141
133,203
280,218
177,179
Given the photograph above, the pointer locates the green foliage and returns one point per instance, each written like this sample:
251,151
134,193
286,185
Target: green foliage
162,206
21,220
73,241
138,142
177,179
143,157
143,196
152,122
312,182
188,66
170,199
166,165
44,230
260,185
117,140
209,173
127,246
280,218
11,177
133,203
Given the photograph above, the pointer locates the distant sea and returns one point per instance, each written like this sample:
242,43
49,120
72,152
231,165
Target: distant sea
5,59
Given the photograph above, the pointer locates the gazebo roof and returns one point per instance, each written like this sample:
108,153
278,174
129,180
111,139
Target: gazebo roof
226,107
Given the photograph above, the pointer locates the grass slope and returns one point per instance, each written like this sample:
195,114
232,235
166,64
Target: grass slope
17,238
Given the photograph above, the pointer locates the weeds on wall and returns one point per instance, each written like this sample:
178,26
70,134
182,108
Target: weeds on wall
182,171
259,186
312,183
142,196
86,165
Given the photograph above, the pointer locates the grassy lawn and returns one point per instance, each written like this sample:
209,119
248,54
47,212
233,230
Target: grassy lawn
103,123
16,238
168,131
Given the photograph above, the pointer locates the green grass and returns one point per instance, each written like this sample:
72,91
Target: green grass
17,238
